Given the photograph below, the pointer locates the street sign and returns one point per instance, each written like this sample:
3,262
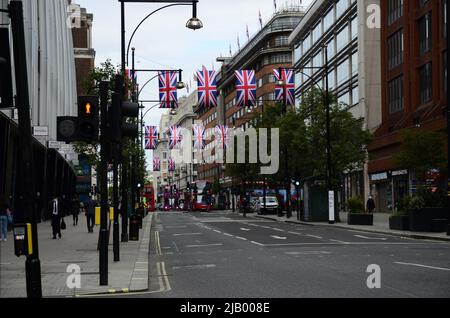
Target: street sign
40,131
53,144
331,206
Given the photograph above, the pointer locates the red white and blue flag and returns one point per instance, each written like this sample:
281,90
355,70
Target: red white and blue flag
156,164
198,132
223,134
245,88
287,76
174,137
168,89
151,137
171,165
207,88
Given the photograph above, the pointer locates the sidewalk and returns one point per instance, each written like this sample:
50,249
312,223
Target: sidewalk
77,246
380,225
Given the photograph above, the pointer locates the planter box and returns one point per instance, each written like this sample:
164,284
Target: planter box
359,219
399,222
422,220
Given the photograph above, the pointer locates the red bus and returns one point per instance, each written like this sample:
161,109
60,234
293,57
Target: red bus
149,195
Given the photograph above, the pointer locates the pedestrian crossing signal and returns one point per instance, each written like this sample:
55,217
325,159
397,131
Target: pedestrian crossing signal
88,119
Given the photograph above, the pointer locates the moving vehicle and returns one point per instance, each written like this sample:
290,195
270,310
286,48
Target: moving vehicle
202,204
149,195
271,205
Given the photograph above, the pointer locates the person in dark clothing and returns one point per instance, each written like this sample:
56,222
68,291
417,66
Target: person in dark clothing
55,212
75,209
90,205
370,205
4,209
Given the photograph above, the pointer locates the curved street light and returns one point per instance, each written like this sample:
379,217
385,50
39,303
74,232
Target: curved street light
193,23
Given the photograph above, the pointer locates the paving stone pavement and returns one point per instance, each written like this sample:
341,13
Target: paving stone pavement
79,247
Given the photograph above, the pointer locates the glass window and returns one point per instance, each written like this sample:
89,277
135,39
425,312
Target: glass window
331,80
425,34
331,49
317,61
342,39
328,20
425,83
355,63
298,53
395,49
345,99
341,7
395,96
355,95
317,32
354,27
306,43
395,10
343,72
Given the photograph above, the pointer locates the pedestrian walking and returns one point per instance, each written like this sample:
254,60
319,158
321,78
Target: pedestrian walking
258,206
90,205
55,211
5,216
370,205
75,209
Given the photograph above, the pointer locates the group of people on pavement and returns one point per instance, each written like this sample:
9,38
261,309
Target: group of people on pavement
58,208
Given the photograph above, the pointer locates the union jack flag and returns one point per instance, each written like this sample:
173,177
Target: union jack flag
199,136
223,134
207,88
245,88
156,164
287,76
151,137
171,164
175,137
168,89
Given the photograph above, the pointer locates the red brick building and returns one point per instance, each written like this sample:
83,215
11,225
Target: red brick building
414,88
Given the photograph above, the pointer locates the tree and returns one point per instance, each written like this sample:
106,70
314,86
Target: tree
422,151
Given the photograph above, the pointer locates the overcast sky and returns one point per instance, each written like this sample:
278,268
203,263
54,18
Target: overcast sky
163,41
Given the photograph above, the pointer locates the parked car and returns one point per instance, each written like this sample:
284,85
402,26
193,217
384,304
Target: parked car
271,205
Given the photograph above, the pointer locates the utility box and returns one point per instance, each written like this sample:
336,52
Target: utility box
23,243
315,200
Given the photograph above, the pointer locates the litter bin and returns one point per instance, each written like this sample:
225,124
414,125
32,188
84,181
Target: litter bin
134,228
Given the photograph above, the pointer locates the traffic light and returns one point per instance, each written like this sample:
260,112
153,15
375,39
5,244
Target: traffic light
121,110
67,128
88,120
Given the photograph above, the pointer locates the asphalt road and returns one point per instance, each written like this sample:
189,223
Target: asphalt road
224,255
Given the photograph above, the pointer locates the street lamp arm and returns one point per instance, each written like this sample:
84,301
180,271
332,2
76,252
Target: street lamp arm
143,20
150,109
140,90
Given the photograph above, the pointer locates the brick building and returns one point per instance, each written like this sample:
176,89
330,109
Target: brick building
414,81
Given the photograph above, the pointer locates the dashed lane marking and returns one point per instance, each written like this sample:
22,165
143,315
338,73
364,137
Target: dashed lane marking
425,266
204,245
186,234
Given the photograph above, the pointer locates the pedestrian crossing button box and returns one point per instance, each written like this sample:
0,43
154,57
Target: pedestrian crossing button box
23,244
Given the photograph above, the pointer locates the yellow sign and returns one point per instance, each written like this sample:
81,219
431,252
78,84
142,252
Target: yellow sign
97,215
111,214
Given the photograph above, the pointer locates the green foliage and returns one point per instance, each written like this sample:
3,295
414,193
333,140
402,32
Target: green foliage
105,72
403,206
437,199
356,205
422,151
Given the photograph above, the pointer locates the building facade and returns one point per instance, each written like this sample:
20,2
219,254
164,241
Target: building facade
265,51
338,30
414,89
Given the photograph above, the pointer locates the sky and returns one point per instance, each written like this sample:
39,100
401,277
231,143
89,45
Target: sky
163,41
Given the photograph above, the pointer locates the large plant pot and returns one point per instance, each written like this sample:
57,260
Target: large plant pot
359,219
399,222
421,220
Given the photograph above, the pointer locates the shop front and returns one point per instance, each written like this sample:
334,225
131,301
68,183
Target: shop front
388,188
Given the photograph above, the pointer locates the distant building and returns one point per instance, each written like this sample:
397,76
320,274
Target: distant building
413,89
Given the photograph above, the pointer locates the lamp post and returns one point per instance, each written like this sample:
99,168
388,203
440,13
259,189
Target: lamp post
448,126
326,97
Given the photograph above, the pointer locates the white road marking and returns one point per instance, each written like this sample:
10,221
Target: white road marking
279,230
205,245
296,233
314,236
425,266
256,243
186,234
217,231
194,266
371,238
278,237
241,238
227,234
337,241
244,229
307,253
